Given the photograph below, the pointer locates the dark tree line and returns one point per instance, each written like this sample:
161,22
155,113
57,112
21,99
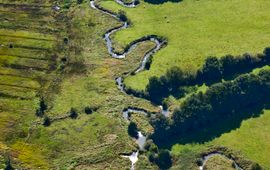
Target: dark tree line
214,70
220,101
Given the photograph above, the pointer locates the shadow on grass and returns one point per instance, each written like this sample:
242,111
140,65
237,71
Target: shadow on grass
161,1
215,129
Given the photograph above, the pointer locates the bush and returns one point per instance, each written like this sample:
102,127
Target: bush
46,121
133,130
79,1
73,113
39,113
42,108
163,159
88,110
122,16
211,70
157,88
8,165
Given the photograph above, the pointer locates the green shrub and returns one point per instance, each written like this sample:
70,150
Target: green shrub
73,113
133,130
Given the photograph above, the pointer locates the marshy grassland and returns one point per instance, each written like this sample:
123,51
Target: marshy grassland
59,56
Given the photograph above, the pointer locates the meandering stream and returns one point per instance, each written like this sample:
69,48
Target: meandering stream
207,157
120,80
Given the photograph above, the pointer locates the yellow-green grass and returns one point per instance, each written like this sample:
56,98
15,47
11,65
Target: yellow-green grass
24,73
27,2
251,139
219,163
24,62
19,82
26,42
92,141
26,53
17,92
195,30
30,156
26,34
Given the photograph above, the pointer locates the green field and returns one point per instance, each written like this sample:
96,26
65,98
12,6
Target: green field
195,30
36,63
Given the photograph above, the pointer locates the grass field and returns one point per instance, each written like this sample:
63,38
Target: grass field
195,30
29,68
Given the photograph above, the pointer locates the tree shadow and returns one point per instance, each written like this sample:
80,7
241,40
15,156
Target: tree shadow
215,129
156,2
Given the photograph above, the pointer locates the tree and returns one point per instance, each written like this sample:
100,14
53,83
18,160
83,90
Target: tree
266,52
73,113
212,69
164,160
133,130
39,113
157,88
88,110
175,77
8,165
79,1
46,121
122,16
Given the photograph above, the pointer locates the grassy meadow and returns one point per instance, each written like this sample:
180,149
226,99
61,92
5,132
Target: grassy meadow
32,55
195,30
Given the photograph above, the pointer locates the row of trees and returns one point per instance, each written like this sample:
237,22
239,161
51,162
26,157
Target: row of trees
220,101
214,70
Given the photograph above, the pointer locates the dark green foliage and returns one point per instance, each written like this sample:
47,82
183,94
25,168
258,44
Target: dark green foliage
165,104
256,166
133,130
46,121
148,63
266,52
211,70
160,123
66,40
67,4
157,88
73,113
8,165
136,2
42,108
88,110
122,16
164,160
214,70
43,105
39,113
222,100
79,1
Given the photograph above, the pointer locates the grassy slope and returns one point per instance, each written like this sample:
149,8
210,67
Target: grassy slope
195,30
